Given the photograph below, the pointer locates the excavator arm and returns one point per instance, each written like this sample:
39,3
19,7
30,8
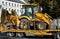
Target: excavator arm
44,18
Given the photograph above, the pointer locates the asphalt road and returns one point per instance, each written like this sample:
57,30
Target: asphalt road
21,38
3,36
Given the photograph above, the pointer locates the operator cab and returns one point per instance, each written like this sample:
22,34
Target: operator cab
29,10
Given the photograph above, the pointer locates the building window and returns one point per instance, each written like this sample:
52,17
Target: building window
9,9
15,5
3,2
12,4
9,4
17,10
6,3
0,6
6,8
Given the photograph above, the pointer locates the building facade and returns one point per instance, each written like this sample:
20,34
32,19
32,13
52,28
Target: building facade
9,5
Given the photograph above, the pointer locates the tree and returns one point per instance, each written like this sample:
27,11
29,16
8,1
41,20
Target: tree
13,12
43,3
3,15
50,7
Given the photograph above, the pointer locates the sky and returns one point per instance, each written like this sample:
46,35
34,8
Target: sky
23,1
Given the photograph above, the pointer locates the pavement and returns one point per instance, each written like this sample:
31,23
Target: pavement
21,38
4,36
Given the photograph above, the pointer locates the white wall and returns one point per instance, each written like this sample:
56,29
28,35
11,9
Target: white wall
9,5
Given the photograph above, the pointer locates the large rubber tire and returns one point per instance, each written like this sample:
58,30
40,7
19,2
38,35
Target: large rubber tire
8,26
24,24
10,34
20,34
54,35
41,25
58,35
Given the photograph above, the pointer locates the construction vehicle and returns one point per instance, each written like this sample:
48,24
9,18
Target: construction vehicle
30,13
30,22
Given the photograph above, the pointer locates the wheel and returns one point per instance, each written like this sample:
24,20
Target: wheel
24,24
9,26
20,34
55,35
58,35
41,25
10,34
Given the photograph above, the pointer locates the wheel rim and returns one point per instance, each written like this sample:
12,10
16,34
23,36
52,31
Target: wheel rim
9,26
23,24
58,35
20,34
41,25
10,34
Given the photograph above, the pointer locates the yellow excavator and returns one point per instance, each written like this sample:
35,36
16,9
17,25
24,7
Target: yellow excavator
30,17
30,13
30,22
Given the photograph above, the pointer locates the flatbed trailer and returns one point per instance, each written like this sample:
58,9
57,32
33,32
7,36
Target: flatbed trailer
35,32
48,32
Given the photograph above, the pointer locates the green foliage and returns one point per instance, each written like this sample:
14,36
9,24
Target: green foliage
31,1
51,7
35,1
13,12
3,14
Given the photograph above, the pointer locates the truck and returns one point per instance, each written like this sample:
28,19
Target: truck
31,22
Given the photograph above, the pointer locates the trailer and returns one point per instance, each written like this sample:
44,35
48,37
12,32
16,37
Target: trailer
31,22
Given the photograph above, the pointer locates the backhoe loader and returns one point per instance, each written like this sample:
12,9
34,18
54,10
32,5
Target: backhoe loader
30,14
